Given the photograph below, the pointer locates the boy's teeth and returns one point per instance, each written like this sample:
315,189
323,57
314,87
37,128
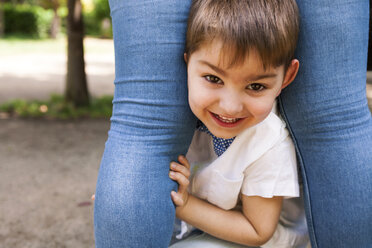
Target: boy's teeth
227,120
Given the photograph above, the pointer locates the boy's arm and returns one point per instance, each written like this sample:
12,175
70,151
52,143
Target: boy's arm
252,226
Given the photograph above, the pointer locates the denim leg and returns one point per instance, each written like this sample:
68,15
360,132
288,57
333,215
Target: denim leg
150,126
326,110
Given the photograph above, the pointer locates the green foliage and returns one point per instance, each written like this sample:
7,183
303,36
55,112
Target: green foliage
98,21
34,17
101,9
33,21
57,108
62,12
91,25
44,20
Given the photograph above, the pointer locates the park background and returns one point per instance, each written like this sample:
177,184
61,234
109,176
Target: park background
56,87
51,146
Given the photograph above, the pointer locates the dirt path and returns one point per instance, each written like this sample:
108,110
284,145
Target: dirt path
47,175
48,169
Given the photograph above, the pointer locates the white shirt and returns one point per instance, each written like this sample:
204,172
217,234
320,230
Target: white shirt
261,161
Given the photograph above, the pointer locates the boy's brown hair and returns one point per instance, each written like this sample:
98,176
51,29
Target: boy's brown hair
269,27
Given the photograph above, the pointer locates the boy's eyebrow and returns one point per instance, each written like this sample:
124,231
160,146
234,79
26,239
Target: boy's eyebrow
215,68
262,76
250,79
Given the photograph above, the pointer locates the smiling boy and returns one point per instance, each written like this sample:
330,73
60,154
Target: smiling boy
229,99
240,55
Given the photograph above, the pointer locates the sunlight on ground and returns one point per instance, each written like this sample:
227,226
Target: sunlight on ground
21,46
35,69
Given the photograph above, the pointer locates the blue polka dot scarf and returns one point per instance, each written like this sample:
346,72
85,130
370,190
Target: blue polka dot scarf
220,145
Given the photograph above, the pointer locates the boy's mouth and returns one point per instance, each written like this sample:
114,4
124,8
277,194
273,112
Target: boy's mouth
225,121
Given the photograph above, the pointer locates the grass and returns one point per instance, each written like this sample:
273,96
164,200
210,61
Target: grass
57,108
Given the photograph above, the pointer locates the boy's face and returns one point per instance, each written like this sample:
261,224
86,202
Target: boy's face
230,99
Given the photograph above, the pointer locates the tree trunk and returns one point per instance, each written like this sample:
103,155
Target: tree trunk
76,83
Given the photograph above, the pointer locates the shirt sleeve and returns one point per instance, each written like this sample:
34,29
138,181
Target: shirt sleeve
274,173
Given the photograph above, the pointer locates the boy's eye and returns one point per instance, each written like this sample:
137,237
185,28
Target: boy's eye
256,87
213,79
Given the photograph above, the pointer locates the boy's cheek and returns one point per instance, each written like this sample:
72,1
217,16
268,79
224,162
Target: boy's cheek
199,99
264,111
194,109
194,92
262,108
196,105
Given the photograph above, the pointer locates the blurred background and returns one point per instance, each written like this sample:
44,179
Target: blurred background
56,88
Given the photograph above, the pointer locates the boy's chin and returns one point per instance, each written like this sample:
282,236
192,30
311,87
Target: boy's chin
221,132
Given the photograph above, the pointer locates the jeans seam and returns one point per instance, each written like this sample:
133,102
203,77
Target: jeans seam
303,174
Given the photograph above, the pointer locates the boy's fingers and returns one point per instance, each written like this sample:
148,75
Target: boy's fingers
180,178
176,198
180,168
93,197
182,189
183,160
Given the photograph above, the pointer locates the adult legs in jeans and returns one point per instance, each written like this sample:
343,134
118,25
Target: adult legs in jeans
151,123
150,126
326,109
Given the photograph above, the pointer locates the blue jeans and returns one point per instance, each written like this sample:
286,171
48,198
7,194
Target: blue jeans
326,111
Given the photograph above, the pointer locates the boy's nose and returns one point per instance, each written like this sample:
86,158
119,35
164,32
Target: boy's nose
231,106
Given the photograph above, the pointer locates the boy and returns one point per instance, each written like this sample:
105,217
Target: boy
239,55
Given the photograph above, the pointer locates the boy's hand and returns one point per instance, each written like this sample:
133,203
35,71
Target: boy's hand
180,173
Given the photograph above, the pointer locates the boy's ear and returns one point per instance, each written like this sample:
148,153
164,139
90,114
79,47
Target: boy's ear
185,57
291,73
